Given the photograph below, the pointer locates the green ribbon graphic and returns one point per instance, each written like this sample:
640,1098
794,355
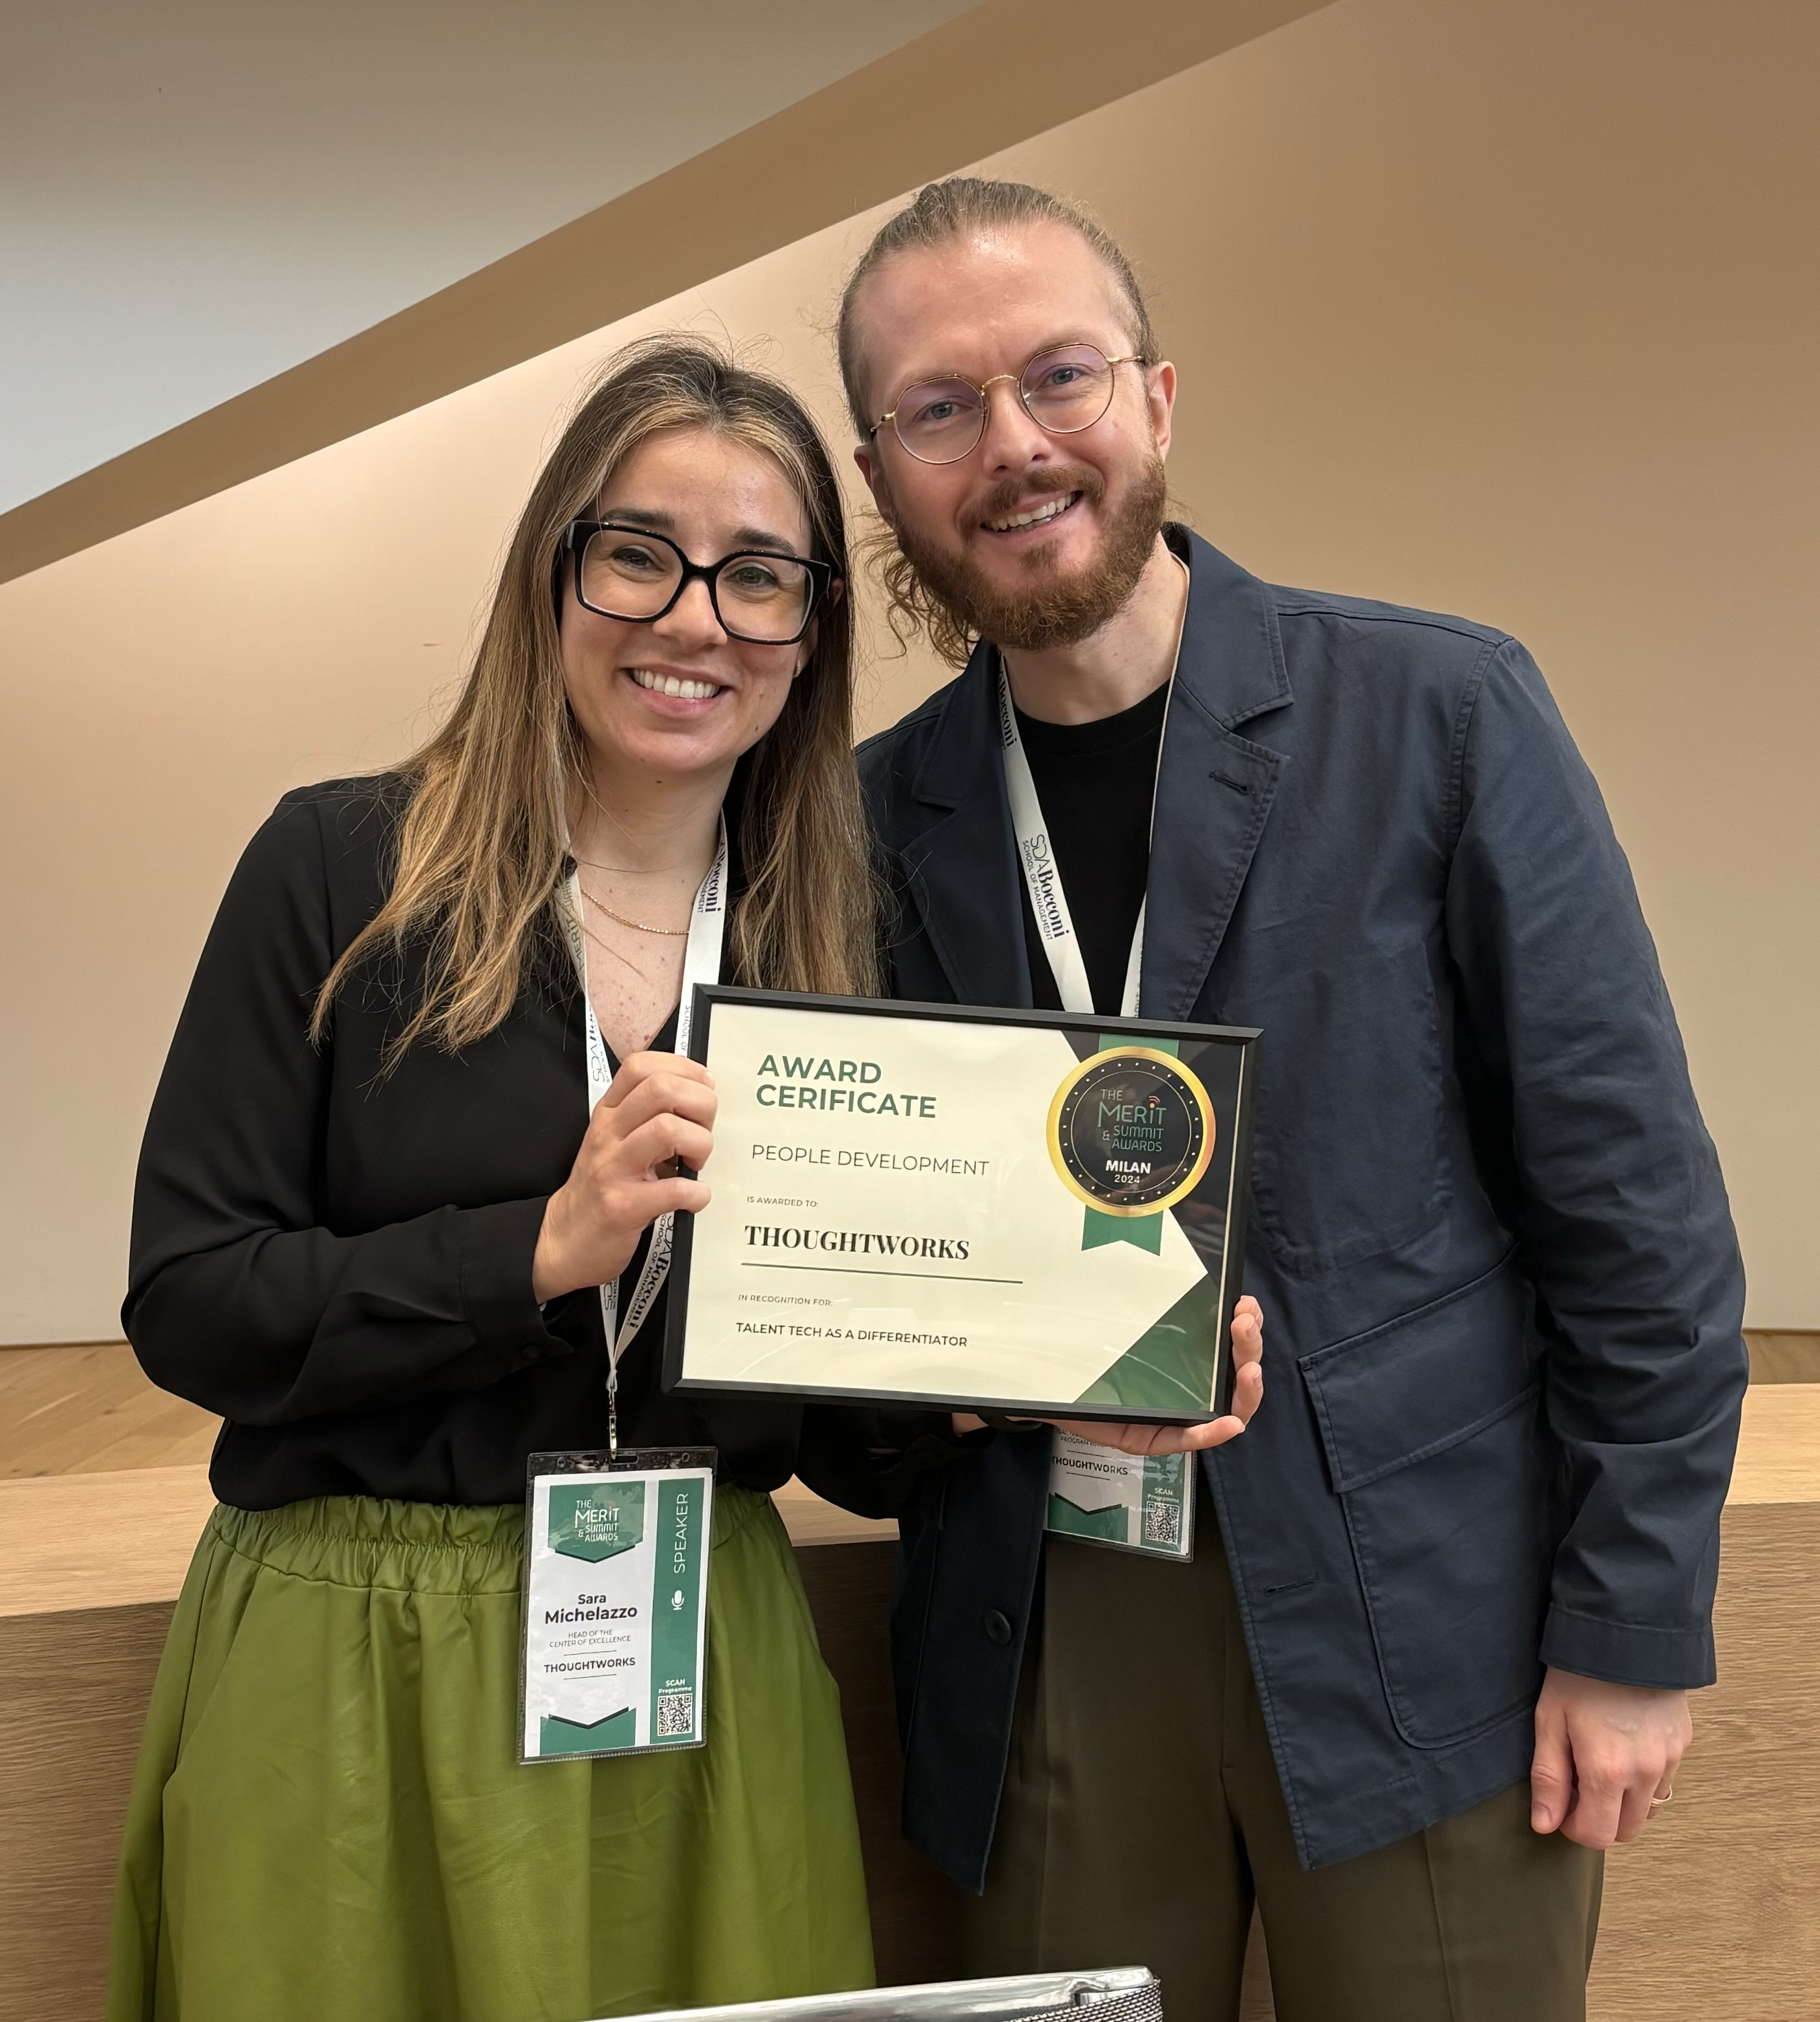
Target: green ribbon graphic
1141,1231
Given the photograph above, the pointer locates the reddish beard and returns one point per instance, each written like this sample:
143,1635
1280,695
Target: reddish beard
1052,611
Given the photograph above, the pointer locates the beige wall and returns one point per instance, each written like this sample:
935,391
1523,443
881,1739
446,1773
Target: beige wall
1507,308
1511,307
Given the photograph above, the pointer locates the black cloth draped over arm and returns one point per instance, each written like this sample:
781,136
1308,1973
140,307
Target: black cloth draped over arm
338,1261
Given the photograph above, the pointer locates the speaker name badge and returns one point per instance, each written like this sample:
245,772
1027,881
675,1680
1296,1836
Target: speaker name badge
615,1603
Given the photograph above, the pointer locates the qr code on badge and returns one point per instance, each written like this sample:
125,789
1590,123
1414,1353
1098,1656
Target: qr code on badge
1162,1524
675,1713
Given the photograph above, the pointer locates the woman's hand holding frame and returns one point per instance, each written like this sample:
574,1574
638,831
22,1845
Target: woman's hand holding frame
657,1112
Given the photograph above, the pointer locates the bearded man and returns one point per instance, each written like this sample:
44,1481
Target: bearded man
1451,1590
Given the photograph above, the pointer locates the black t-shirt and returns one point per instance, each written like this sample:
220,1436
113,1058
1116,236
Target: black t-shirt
1096,782
337,1259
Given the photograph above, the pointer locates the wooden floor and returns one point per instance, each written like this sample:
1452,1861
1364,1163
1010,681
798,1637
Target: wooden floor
87,1407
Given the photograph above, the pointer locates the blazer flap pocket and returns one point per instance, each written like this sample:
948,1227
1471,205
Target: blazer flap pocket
1425,1381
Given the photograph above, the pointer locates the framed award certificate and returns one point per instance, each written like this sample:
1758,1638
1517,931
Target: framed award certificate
1028,1211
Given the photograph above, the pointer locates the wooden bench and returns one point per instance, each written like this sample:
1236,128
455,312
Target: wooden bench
1713,1913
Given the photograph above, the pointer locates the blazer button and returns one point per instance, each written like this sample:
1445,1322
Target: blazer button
998,1627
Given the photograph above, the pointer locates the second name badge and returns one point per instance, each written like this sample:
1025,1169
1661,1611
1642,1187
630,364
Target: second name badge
1133,1501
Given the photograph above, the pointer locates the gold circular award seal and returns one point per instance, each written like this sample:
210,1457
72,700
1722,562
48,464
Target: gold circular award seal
1131,1131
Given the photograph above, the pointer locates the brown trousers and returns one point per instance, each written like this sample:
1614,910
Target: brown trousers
1141,1816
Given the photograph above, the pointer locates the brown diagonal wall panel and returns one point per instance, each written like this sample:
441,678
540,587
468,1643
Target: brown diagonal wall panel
996,75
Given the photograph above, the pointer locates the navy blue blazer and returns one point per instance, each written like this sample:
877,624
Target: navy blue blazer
1502,1293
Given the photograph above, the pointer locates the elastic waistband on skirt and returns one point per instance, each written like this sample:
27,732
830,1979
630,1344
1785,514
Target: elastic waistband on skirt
416,1547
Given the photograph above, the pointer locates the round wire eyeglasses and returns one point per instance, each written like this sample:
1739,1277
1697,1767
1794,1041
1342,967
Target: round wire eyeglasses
1064,389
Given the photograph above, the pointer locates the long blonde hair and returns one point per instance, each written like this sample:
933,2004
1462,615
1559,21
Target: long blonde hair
480,848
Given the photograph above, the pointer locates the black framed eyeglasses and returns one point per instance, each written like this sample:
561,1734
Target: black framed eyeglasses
1064,389
765,598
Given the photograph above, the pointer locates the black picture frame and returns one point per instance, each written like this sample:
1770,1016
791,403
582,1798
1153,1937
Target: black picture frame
1244,1039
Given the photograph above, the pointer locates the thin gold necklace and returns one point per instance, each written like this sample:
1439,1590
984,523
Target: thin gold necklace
671,933
624,871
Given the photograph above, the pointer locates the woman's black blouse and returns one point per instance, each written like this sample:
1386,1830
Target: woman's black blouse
338,1260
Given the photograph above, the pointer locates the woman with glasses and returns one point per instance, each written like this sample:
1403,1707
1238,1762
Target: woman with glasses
375,1218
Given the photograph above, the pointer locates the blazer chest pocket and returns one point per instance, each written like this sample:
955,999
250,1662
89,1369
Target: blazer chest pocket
1350,1159
1435,1448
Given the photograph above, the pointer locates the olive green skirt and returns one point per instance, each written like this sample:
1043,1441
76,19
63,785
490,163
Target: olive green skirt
328,1819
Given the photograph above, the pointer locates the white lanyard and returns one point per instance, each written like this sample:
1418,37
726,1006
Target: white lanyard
1042,875
701,964
1131,1498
